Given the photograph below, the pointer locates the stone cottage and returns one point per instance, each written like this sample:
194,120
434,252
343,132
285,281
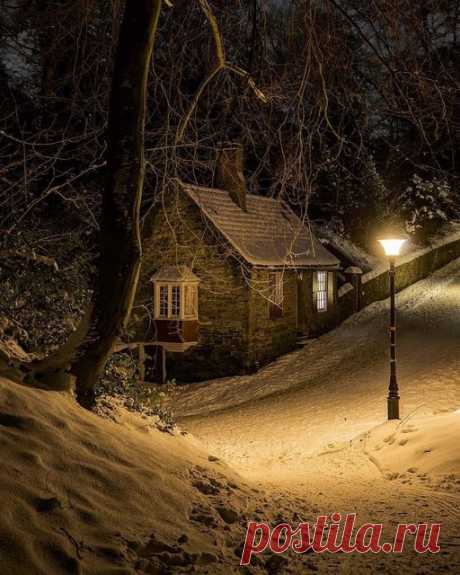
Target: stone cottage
229,281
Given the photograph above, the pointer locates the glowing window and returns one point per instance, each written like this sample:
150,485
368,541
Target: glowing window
321,291
164,301
175,301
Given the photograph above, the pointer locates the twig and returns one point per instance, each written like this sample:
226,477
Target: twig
410,415
9,254
73,541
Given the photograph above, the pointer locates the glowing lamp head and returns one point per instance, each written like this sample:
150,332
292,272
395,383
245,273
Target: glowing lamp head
392,247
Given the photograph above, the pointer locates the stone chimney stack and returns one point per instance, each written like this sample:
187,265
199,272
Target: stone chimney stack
230,173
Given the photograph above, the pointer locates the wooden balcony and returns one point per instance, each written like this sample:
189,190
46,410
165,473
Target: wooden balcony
176,335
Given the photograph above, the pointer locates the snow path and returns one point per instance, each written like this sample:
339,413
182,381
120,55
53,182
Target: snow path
335,387
299,428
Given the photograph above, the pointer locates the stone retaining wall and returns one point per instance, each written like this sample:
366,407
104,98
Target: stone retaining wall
374,286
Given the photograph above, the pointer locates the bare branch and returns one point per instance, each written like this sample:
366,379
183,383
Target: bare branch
220,65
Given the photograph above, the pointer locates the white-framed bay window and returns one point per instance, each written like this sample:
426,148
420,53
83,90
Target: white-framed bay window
176,301
175,294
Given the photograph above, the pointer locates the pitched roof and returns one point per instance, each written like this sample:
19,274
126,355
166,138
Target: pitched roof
174,274
267,234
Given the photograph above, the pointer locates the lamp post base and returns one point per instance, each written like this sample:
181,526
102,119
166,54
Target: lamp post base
393,408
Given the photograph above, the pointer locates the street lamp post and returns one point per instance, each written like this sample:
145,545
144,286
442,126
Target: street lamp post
393,390
392,248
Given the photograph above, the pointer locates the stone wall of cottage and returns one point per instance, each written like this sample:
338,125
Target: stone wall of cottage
179,234
269,338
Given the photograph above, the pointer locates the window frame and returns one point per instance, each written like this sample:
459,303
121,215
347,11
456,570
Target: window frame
322,291
173,302
160,301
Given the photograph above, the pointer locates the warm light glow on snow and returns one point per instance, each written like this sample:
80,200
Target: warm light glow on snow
392,247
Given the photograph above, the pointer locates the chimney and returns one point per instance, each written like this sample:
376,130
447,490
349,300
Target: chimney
230,175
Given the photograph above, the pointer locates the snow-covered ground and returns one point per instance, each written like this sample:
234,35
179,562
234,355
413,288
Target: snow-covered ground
86,495
312,425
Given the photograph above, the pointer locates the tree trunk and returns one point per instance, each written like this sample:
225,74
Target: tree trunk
87,350
120,242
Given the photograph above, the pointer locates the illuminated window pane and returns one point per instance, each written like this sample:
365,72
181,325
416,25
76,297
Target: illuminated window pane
175,301
164,300
321,291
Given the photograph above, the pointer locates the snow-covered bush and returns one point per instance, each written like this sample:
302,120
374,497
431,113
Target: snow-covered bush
425,205
46,272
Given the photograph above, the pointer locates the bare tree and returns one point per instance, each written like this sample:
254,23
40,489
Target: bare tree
120,241
120,259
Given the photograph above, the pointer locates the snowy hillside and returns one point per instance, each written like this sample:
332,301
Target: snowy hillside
85,495
423,449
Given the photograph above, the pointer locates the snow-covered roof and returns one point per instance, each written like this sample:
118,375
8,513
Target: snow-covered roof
172,273
267,234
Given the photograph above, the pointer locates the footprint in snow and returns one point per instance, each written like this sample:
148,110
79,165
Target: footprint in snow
409,430
390,439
